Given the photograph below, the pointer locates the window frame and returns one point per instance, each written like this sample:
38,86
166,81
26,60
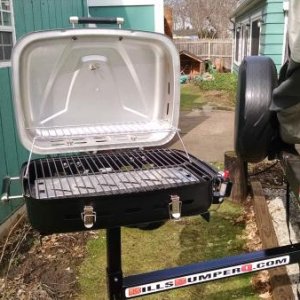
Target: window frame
253,20
11,29
246,40
241,42
237,45
245,45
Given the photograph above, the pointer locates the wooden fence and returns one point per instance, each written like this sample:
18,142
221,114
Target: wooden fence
208,49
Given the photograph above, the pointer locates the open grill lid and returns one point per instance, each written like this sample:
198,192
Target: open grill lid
94,89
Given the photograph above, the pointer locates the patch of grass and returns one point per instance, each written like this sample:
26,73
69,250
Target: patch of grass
176,243
219,93
222,82
191,97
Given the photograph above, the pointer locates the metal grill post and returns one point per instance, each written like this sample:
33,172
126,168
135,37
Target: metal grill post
114,263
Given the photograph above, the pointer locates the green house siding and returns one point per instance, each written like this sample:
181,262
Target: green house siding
274,18
271,49
137,17
272,41
37,15
29,15
8,126
272,29
10,149
274,6
4,209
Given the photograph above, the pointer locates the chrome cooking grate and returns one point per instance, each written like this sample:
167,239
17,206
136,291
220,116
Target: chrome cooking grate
111,173
111,182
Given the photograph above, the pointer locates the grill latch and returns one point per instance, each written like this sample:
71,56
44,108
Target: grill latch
175,207
88,216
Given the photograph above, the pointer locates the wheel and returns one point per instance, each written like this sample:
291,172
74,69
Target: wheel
256,127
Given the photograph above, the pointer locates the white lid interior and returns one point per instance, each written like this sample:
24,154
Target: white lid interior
93,89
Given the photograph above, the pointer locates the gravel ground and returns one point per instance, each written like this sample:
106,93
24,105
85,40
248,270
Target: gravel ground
276,199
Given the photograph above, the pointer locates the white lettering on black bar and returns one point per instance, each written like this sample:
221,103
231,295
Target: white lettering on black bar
205,276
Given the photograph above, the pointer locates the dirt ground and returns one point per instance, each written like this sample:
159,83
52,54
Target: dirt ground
34,267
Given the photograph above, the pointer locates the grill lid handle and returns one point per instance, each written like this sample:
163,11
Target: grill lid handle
100,20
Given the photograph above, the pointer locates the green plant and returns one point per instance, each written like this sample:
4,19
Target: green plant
219,93
222,82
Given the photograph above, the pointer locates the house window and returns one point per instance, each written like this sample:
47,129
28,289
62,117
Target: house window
246,38
6,30
255,36
237,44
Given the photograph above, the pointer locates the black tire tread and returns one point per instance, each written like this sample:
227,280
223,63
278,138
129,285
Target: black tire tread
255,124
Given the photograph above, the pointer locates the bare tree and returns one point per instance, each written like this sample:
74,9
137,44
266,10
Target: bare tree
180,14
222,14
209,19
200,13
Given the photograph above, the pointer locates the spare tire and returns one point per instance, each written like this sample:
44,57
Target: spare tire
256,127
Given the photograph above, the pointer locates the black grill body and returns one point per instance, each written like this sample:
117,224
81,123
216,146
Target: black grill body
128,187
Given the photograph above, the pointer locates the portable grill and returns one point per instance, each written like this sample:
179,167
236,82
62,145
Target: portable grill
115,189
103,96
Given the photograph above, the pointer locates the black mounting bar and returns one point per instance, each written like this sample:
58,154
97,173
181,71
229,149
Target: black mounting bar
120,288
114,270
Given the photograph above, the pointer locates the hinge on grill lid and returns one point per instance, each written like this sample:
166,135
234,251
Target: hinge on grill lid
88,216
175,207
